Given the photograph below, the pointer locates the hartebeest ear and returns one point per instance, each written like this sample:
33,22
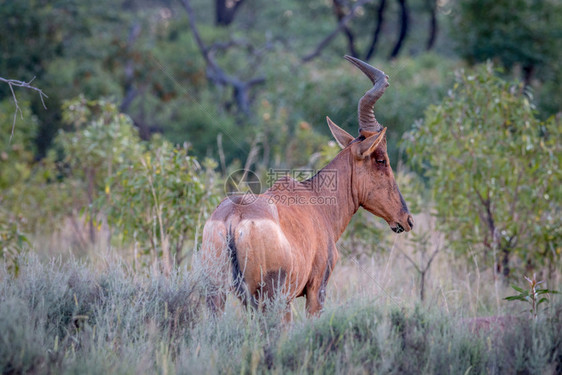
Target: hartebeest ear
370,144
342,137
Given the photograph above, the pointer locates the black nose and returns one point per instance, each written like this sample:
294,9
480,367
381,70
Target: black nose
398,229
411,222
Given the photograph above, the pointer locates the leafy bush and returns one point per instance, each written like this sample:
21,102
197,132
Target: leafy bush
160,201
493,170
17,151
521,35
27,203
103,139
13,242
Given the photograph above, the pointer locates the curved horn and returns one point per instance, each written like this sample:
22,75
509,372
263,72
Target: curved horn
367,121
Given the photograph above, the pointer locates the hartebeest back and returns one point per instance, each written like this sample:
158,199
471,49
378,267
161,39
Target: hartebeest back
285,239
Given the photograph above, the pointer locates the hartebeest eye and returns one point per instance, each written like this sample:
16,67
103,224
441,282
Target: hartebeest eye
381,162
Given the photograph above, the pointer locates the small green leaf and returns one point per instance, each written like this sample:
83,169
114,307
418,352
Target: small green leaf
515,298
544,299
520,290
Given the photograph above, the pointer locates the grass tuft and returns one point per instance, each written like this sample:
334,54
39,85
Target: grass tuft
70,317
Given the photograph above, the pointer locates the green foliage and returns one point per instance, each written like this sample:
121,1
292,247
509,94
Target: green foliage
13,243
103,139
31,201
160,201
198,124
155,195
493,169
515,33
532,295
415,83
16,156
307,94
102,142
67,45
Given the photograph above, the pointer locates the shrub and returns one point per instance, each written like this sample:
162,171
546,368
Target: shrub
69,317
160,202
493,170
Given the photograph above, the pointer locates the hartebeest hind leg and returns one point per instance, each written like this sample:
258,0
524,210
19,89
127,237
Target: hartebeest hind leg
314,301
315,293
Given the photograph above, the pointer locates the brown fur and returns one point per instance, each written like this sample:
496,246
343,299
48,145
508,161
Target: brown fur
284,242
298,241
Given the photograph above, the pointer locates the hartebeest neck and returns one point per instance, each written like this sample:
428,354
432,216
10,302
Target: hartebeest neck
333,186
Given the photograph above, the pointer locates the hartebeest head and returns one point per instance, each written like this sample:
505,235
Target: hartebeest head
373,182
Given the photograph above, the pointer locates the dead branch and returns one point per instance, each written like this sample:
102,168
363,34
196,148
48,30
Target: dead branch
377,30
15,83
341,25
422,269
222,46
225,10
130,90
215,73
404,27
432,5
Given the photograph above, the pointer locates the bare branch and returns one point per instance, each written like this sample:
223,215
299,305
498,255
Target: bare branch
214,72
432,5
341,26
431,258
415,264
27,85
131,91
404,27
225,12
221,46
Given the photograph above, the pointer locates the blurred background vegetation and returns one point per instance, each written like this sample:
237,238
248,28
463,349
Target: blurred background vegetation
151,104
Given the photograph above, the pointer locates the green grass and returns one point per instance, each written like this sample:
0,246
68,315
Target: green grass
68,317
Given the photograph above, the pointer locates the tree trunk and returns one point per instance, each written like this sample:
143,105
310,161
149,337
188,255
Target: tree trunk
505,264
129,84
343,23
404,23
225,10
90,189
432,25
377,31
422,285
528,71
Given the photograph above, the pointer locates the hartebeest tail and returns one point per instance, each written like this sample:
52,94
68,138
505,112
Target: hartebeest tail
237,276
284,240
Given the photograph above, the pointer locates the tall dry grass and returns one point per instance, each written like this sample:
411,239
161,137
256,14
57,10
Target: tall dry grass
97,311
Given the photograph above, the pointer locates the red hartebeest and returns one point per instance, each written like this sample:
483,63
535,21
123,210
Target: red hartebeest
285,239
